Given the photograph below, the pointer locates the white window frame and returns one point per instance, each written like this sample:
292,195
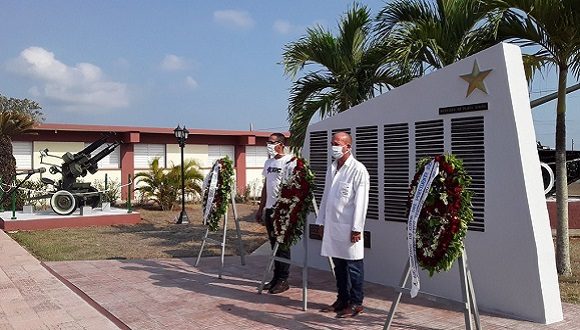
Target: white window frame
256,156
22,151
217,151
144,153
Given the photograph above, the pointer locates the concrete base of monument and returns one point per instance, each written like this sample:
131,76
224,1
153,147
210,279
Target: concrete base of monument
47,219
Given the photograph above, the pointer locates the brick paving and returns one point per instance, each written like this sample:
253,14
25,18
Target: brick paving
32,298
173,294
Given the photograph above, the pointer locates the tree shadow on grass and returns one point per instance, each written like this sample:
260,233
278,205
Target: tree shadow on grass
184,240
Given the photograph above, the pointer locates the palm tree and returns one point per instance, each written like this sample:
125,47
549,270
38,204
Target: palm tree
351,67
162,187
16,117
424,35
551,28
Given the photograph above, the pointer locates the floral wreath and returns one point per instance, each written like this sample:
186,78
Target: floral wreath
221,195
293,204
446,213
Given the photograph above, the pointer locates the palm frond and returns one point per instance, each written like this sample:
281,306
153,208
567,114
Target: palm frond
300,118
318,46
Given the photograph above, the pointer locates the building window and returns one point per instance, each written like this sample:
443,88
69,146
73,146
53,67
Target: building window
145,153
111,161
256,156
216,152
22,151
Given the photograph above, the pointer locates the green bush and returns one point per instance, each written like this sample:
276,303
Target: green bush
112,193
26,193
243,196
162,186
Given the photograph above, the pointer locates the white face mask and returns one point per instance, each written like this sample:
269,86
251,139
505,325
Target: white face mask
271,150
337,152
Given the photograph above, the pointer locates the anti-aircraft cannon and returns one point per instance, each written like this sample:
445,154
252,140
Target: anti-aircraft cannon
548,163
70,194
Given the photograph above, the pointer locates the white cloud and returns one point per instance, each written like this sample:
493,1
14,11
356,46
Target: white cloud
174,63
282,26
79,87
190,82
235,18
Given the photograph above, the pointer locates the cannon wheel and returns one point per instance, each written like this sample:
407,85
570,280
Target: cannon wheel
63,202
548,178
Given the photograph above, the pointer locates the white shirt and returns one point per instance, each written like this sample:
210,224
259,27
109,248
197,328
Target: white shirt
343,209
274,171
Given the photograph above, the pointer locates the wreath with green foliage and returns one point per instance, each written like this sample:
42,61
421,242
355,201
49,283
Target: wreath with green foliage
293,204
445,215
219,203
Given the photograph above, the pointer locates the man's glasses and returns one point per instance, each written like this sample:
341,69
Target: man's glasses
272,142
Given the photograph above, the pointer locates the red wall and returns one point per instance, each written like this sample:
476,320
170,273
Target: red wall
573,214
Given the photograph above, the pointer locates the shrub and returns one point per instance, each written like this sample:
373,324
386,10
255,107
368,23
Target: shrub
112,193
162,186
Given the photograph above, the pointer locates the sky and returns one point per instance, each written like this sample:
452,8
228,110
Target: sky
205,64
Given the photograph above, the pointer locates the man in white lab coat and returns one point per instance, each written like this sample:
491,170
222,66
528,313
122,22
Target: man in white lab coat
342,217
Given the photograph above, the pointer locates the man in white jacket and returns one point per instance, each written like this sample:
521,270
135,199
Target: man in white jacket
342,216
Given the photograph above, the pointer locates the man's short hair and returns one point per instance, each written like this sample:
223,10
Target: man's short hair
280,137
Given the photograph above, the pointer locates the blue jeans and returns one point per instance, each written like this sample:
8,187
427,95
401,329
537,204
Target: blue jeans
350,275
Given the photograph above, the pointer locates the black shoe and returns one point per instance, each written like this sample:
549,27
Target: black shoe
350,311
335,307
281,286
268,285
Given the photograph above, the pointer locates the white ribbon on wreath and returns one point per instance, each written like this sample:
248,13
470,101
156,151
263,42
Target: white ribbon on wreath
424,185
211,179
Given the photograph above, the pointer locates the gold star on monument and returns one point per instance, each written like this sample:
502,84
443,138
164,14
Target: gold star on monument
475,79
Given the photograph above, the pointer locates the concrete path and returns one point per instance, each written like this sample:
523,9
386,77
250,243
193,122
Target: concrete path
173,294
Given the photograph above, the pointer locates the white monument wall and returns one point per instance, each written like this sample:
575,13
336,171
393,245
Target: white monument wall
510,254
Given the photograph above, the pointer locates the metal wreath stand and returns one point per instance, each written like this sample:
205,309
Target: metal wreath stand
468,303
222,243
304,264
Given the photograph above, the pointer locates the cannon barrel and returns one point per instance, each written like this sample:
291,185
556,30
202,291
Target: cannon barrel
91,147
92,162
79,164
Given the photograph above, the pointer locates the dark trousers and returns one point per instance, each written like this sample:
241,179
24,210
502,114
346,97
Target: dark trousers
281,269
349,280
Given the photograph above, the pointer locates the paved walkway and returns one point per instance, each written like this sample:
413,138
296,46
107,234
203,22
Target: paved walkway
173,294
32,298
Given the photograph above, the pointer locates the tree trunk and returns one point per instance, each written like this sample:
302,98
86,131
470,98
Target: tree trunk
7,164
562,238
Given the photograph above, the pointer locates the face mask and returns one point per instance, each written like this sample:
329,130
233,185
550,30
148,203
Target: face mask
337,152
271,150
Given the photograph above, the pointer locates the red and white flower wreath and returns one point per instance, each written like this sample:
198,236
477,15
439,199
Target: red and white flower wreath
293,204
445,215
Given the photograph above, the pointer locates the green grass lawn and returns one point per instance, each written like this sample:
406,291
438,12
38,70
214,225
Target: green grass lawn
570,285
156,236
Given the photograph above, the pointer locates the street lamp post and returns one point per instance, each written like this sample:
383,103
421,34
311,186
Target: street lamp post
181,134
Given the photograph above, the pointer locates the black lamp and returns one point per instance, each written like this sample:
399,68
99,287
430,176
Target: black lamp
181,134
